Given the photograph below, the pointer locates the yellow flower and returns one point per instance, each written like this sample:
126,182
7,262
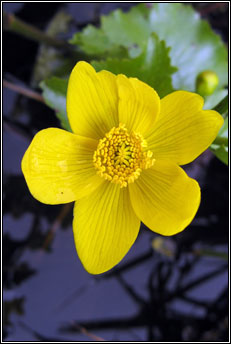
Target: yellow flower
120,164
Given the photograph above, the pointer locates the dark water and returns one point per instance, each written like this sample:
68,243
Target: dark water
46,292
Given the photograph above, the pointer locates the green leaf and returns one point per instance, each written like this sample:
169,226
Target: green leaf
153,66
129,28
117,32
92,40
221,152
194,46
95,42
220,145
54,93
214,99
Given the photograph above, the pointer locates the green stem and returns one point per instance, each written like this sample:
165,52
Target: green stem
211,253
222,107
12,23
221,141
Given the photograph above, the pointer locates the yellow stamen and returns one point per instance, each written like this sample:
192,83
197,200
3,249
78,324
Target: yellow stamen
120,158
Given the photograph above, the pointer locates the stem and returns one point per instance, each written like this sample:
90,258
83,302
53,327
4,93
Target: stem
24,91
129,265
211,253
89,334
221,141
222,107
12,23
56,224
197,282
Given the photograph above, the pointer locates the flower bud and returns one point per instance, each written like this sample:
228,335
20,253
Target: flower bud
206,82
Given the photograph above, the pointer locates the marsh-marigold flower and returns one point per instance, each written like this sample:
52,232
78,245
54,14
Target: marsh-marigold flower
121,163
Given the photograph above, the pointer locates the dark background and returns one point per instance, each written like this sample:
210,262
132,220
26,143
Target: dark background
150,296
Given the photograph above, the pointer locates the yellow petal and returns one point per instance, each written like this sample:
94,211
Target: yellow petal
92,101
105,227
58,166
139,104
165,198
183,130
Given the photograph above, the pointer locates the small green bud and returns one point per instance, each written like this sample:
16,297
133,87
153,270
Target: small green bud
206,82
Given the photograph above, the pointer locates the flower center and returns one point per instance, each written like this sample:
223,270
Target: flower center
120,158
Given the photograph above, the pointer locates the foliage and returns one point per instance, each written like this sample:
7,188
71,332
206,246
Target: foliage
54,93
167,46
194,46
152,66
220,145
